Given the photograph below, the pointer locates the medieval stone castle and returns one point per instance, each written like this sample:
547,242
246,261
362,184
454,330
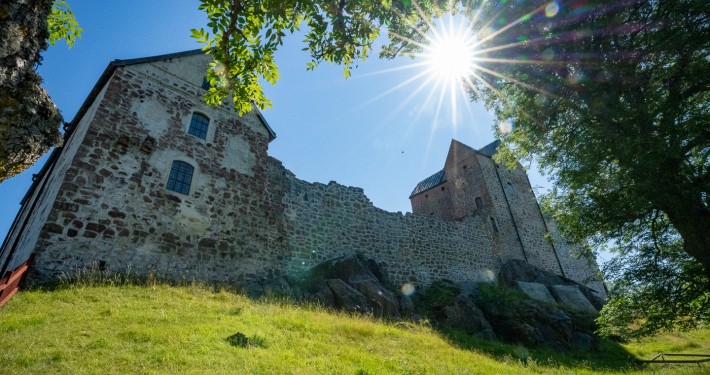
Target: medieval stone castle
150,179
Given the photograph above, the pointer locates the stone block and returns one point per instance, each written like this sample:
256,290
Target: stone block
572,297
536,291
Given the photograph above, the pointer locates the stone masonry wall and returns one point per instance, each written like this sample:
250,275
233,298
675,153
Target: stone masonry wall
246,217
517,207
114,211
324,221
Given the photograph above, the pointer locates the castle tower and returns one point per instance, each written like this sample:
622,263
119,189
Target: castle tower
472,184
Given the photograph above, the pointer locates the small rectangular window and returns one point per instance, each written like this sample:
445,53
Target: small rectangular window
199,124
180,177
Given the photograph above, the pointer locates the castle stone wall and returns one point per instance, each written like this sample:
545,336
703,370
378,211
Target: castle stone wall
115,212
324,221
38,217
246,217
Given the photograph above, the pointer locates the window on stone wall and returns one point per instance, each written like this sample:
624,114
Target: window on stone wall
206,84
199,125
479,203
511,188
493,224
180,177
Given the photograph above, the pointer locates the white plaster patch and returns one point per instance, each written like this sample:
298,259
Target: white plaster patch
190,221
238,156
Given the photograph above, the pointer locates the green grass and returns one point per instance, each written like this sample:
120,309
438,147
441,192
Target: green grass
83,329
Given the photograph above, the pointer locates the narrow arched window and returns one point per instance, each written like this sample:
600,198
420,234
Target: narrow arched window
199,125
180,177
479,203
205,84
493,224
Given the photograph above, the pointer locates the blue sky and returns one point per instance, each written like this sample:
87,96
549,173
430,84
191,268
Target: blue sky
373,130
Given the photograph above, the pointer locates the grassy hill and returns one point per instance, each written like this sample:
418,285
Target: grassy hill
79,329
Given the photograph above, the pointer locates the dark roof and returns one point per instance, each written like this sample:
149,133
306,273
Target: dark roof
490,149
434,180
117,63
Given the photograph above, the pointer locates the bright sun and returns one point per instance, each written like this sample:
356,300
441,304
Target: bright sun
449,57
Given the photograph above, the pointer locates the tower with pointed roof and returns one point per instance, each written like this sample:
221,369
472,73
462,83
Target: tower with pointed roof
472,184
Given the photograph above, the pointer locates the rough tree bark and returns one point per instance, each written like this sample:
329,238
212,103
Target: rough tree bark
29,121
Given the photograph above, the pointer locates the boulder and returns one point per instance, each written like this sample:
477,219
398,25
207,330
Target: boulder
571,297
581,340
382,302
347,297
254,291
535,291
407,306
529,322
280,286
323,295
515,271
466,316
520,270
348,282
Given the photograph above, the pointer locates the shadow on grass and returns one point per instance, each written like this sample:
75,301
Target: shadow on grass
606,355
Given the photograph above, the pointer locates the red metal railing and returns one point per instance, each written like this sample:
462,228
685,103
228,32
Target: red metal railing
10,282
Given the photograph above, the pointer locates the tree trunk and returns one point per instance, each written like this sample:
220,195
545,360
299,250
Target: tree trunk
693,224
29,124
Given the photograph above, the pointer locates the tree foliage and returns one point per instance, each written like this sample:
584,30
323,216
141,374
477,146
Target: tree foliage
243,36
62,24
612,100
654,289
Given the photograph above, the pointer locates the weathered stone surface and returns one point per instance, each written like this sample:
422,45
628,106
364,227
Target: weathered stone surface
324,296
382,301
254,290
345,282
535,291
347,297
519,270
581,340
514,272
281,287
572,297
465,315
530,323
406,306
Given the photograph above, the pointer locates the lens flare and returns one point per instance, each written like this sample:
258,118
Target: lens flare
407,289
505,127
551,9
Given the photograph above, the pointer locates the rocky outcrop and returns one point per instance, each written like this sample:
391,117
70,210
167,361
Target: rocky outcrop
349,283
466,316
529,306
515,272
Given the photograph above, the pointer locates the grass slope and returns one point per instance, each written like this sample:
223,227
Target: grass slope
151,329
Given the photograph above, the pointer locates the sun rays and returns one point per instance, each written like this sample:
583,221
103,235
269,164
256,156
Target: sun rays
464,54
451,65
